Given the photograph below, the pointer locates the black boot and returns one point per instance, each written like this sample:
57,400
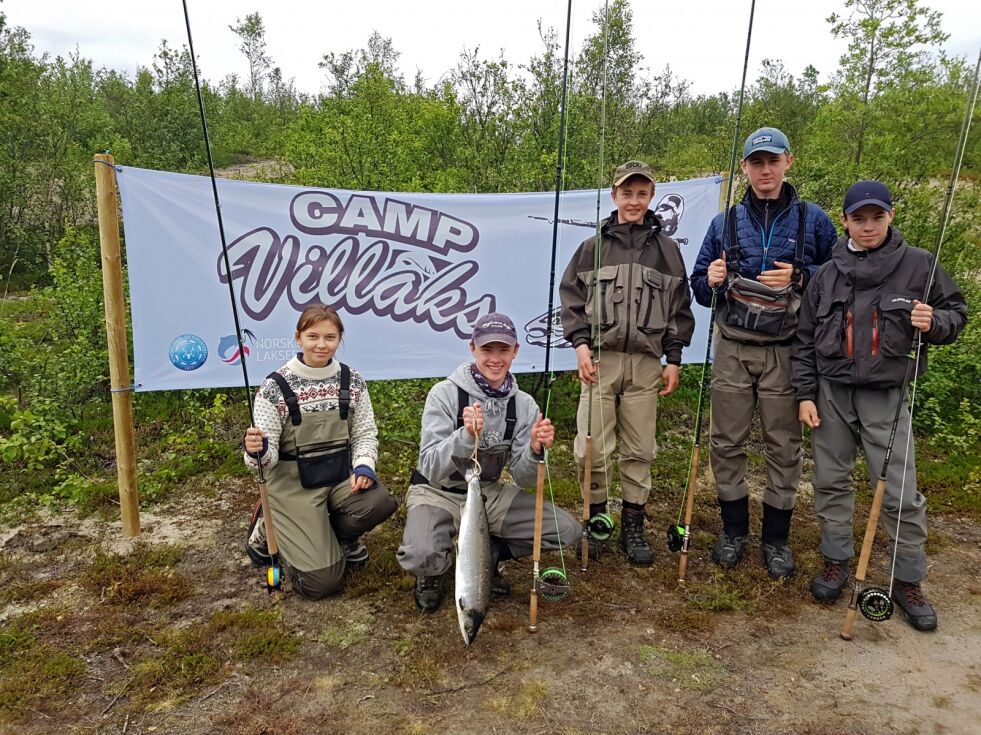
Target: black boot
777,556
500,551
827,586
915,606
632,539
731,544
429,593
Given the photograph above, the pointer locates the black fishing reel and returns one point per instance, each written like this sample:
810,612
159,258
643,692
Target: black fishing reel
676,537
875,604
600,526
553,584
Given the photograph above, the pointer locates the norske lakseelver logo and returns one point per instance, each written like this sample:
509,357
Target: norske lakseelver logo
372,254
228,349
188,352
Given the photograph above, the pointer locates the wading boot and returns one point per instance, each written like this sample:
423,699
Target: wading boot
731,544
915,606
632,539
500,551
355,552
827,586
777,556
256,546
429,593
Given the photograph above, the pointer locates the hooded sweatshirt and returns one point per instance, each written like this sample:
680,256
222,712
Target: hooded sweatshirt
855,317
441,441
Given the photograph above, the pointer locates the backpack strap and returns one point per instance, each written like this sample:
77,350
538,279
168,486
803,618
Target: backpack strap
799,251
344,397
511,419
730,234
463,400
289,396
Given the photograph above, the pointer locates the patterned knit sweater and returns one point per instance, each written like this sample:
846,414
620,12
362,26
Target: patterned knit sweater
316,389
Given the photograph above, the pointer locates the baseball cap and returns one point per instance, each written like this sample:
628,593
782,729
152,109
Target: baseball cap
632,168
494,327
867,192
770,140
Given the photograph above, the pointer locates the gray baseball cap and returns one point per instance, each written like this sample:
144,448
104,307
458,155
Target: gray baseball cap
769,140
494,327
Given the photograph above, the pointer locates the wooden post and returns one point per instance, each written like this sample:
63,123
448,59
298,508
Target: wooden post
119,381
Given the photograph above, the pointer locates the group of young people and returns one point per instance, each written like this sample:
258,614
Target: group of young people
811,328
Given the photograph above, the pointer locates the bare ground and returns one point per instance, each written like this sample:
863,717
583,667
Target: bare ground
629,651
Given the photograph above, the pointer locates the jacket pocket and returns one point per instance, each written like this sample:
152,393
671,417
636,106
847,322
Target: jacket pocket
610,293
896,331
654,294
834,330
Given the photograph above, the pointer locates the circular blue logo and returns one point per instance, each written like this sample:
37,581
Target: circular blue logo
188,352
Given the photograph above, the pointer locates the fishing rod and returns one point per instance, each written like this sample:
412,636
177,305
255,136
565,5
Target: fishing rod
601,526
552,583
679,533
876,603
274,568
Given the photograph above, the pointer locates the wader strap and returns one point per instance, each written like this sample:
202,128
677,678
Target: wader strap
344,397
289,396
510,420
418,478
799,252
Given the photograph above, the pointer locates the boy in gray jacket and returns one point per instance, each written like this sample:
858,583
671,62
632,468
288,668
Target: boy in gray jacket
858,325
479,398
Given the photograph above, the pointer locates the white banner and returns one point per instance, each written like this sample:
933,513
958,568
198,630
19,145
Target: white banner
408,273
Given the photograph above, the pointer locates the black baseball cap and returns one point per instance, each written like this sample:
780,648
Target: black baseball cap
867,192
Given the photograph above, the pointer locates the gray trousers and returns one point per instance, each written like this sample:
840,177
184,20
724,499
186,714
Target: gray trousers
744,377
853,415
433,519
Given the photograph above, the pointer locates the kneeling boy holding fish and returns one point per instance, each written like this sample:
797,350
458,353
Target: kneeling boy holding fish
479,402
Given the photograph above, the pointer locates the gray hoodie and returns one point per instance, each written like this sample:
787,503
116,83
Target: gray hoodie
440,440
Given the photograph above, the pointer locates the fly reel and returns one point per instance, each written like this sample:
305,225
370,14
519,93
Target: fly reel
875,604
273,578
600,526
553,584
676,537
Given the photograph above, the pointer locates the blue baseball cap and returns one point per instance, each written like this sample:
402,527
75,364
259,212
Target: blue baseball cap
867,192
770,140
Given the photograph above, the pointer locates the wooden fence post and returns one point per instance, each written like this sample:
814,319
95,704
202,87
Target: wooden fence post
119,380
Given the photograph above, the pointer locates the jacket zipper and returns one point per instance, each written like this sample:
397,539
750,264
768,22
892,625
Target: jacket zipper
849,335
875,333
768,240
628,299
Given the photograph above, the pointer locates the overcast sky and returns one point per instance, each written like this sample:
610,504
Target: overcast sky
702,40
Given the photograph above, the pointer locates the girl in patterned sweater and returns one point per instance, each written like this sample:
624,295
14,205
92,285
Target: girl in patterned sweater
316,438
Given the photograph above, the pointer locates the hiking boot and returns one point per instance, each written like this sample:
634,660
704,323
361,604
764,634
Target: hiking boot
779,560
633,541
500,551
729,550
429,593
355,552
915,606
595,547
827,586
256,546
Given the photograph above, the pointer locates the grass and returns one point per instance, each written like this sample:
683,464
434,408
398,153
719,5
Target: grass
146,576
695,669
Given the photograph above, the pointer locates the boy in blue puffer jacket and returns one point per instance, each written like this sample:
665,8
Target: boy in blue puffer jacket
759,265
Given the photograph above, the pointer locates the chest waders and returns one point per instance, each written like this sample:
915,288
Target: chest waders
314,462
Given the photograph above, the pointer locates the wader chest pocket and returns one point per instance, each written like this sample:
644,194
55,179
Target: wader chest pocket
611,295
322,466
654,295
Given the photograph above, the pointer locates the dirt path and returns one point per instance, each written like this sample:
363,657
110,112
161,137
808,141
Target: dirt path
627,652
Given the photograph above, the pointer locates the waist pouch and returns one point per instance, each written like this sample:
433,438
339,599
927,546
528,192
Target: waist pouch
754,312
321,465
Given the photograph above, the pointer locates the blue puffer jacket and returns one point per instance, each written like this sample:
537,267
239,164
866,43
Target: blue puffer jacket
779,243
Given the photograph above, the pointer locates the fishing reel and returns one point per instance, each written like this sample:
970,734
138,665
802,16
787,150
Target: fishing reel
676,537
875,604
600,526
553,584
273,578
